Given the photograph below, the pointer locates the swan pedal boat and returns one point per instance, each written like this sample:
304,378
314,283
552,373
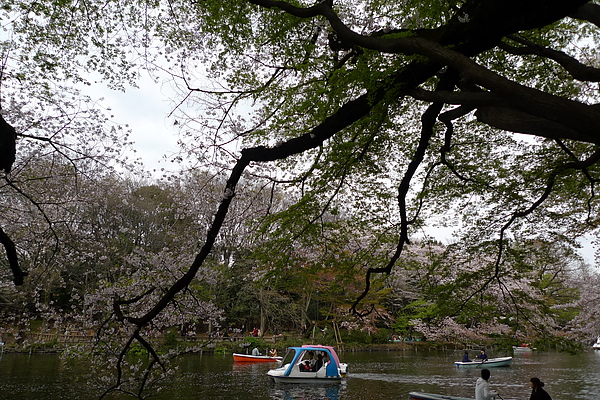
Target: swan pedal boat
289,372
490,362
596,346
237,357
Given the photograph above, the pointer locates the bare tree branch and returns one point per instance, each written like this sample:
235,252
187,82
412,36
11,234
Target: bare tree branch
428,120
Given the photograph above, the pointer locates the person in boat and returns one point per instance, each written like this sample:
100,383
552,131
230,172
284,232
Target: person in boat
273,353
305,366
318,363
255,351
483,390
537,390
325,358
311,359
482,356
466,357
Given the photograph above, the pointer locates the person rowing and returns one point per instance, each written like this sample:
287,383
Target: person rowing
482,356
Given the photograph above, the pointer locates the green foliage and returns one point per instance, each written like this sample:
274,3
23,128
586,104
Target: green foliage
170,338
418,309
380,337
356,336
558,343
136,349
51,345
256,342
221,349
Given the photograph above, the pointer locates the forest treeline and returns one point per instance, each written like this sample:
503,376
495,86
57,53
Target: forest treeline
117,239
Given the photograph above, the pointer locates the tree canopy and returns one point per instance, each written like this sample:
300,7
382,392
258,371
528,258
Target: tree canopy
389,116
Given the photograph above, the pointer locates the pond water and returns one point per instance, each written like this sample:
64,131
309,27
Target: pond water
372,375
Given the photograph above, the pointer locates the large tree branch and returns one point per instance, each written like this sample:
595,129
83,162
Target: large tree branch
577,70
410,76
13,259
498,112
428,121
581,118
474,99
588,12
8,138
345,116
515,121
342,118
477,23
490,21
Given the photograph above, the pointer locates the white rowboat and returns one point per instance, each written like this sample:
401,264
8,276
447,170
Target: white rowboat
431,396
490,362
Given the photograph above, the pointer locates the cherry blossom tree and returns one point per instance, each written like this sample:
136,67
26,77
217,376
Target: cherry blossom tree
398,114
440,288
584,326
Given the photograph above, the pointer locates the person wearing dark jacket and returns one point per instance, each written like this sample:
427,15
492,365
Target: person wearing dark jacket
318,363
482,356
466,357
537,390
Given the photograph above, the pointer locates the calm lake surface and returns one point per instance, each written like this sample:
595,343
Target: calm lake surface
372,375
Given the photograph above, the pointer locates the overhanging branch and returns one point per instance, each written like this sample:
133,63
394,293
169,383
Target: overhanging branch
13,259
588,12
577,69
428,121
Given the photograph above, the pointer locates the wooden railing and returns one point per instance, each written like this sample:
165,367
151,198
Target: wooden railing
68,337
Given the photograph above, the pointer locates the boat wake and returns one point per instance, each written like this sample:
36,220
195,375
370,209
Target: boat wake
411,379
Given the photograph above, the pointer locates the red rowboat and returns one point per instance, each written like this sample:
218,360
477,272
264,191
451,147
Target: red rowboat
250,358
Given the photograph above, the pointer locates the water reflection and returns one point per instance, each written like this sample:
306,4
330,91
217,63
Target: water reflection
313,391
372,376
252,368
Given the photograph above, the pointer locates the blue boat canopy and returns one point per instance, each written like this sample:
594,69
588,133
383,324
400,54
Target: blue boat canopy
332,369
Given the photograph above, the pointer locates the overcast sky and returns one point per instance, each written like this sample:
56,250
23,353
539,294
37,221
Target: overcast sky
145,110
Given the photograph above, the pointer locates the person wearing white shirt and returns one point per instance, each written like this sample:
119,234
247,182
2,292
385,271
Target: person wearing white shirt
482,387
